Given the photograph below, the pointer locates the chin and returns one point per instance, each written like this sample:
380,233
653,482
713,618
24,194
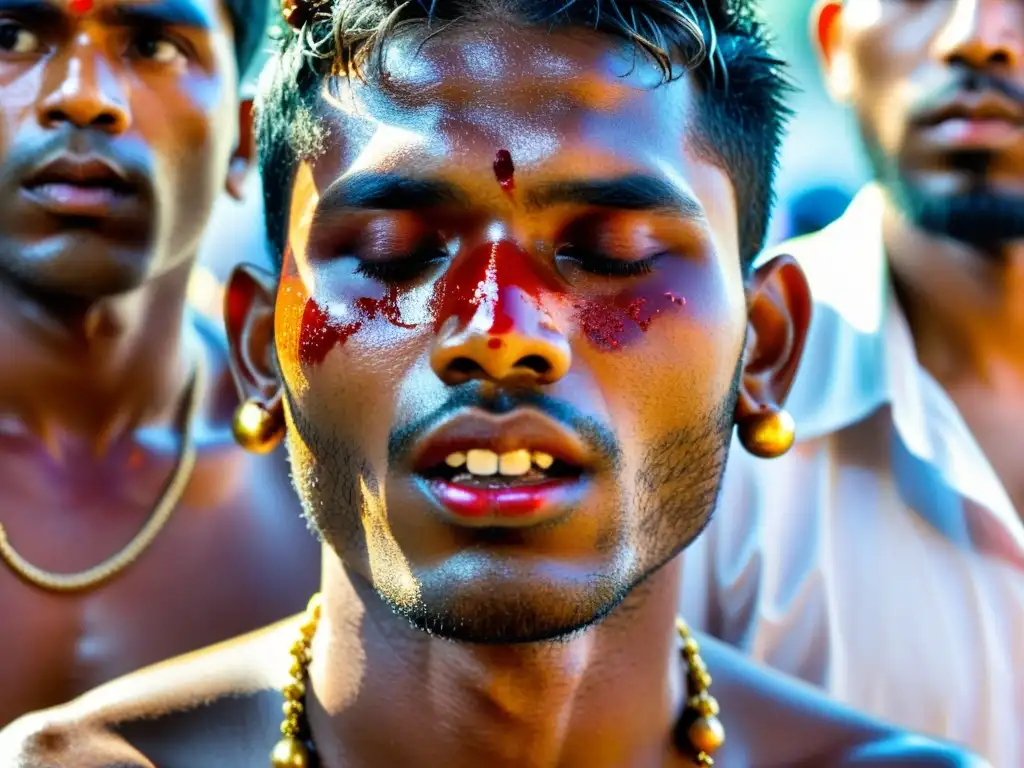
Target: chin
493,598
82,267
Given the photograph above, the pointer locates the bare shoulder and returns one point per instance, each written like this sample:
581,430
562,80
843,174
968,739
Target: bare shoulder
773,721
215,707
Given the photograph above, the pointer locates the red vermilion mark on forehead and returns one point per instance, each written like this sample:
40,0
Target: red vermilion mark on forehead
80,6
504,170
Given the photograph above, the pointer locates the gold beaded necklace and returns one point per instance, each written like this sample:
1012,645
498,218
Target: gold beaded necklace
699,722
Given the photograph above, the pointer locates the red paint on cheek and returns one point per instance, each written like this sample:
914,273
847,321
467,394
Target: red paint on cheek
80,6
504,170
494,344
498,274
320,333
612,322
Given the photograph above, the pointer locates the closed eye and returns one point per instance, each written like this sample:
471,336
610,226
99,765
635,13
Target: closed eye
601,264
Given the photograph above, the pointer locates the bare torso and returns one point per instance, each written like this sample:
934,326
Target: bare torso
234,555
222,709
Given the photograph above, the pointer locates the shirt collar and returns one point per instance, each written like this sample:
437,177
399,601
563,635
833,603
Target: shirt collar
860,357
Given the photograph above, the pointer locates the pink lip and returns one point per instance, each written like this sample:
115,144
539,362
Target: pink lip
71,199
507,507
979,133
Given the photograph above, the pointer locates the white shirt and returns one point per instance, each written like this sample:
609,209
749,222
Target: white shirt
882,558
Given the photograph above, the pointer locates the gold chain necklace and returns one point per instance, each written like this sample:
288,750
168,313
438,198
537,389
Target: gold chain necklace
77,582
699,723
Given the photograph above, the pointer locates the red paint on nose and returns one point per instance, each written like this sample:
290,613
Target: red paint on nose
80,6
499,275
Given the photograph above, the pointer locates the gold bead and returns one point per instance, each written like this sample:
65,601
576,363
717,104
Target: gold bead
690,648
297,670
701,680
703,704
289,752
768,434
292,709
289,728
706,734
704,760
294,691
257,428
313,606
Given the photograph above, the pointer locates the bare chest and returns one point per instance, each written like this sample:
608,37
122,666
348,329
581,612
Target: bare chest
233,556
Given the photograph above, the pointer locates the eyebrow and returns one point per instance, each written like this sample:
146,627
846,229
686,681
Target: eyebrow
386,191
162,13
394,192
630,193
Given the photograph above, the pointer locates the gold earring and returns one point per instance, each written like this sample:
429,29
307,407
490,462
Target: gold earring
257,428
767,435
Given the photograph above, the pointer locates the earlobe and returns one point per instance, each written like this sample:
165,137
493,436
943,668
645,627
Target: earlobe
249,321
244,154
779,315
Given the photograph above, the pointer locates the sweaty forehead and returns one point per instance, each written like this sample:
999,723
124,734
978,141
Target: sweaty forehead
468,90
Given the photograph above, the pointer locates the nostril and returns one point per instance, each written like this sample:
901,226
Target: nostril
463,367
535,363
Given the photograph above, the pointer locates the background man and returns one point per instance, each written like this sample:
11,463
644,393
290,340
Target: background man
120,122
514,323
884,558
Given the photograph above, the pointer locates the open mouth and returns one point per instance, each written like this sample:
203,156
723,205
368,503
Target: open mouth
482,468
523,466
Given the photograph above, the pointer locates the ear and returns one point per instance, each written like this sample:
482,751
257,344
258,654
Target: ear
245,152
249,321
779,313
826,38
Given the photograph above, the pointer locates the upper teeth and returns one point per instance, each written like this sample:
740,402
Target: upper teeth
479,461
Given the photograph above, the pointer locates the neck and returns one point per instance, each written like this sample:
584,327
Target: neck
965,306
94,371
388,694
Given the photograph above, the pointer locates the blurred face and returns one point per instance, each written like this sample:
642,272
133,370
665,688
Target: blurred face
510,328
938,87
117,124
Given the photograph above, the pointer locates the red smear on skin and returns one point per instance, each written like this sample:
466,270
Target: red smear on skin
504,170
499,274
320,333
80,6
613,322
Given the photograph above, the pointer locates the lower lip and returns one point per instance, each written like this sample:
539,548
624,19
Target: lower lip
522,505
974,134
74,200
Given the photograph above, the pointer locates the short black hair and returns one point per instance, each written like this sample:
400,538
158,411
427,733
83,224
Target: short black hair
249,20
743,110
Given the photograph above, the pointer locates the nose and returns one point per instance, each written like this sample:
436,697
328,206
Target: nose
509,339
983,34
86,93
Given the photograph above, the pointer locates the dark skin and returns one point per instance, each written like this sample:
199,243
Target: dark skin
93,309
602,693
892,61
